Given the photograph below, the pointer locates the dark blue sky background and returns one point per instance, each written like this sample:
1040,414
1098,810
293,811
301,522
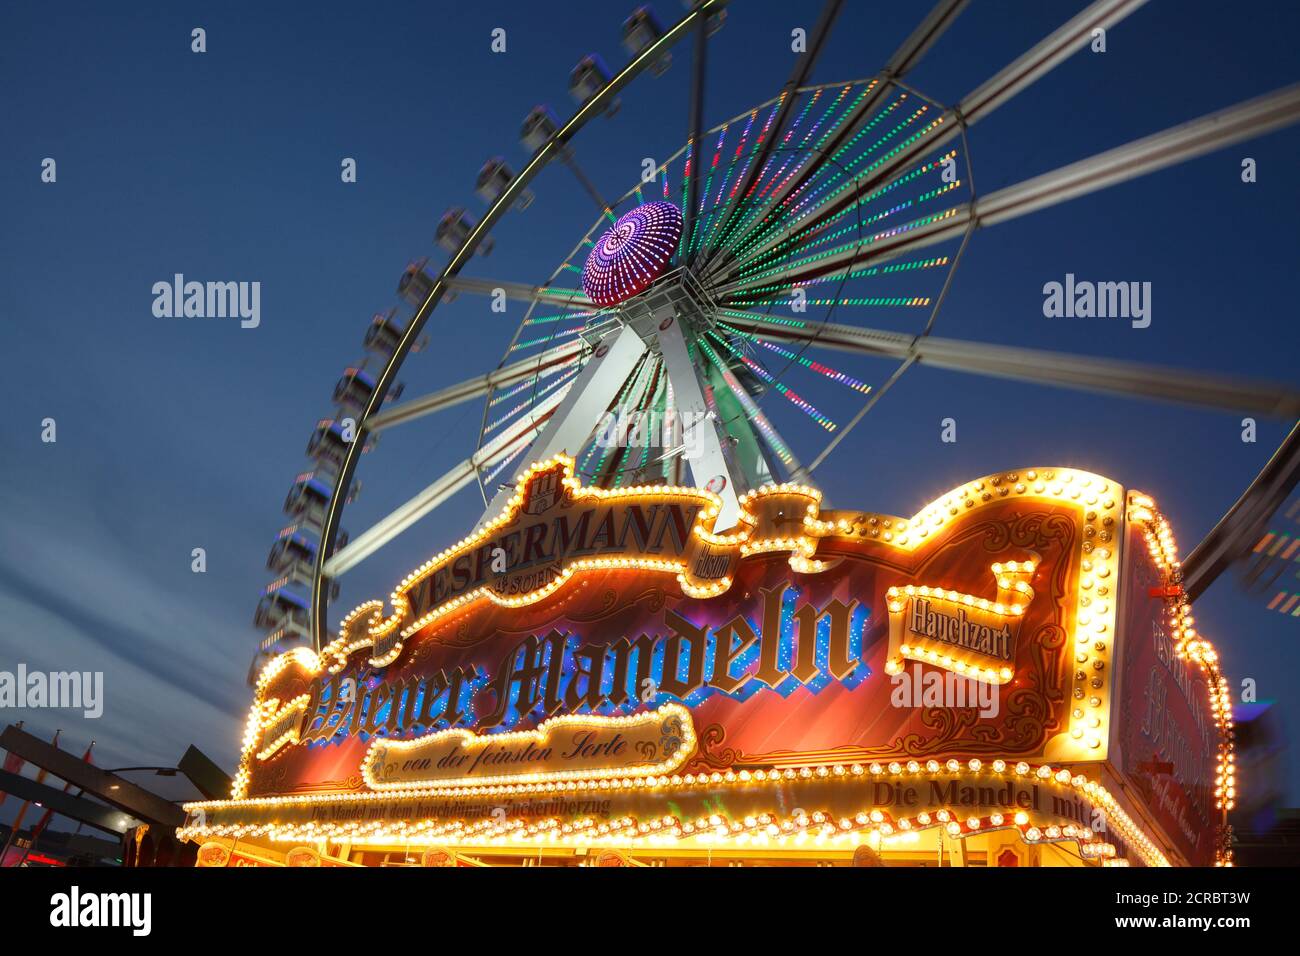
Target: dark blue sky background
176,434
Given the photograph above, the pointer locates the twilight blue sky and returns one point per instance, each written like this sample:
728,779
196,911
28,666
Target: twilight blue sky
175,434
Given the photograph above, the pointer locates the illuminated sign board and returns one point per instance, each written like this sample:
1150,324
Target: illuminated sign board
593,652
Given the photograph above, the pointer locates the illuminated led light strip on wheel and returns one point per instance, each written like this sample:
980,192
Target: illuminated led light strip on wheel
864,272
529,403
734,228
821,238
568,368
752,411
745,256
812,239
697,233
847,177
860,244
881,301
814,235
884,140
714,218
505,462
558,334
778,212
783,151
807,407
769,319
794,164
686,178
807,363
849,110
546,319
794,210
813,242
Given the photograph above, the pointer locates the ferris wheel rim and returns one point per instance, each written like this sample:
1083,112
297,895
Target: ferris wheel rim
319,599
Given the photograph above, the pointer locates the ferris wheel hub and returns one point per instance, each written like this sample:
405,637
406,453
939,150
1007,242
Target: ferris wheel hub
632,253
675,296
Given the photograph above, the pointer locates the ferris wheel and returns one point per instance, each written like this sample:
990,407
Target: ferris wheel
703,331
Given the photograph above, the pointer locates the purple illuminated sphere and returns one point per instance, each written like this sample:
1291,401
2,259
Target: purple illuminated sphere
632,254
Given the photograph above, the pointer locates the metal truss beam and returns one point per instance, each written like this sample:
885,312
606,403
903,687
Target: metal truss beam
399,520
66,804
117,792
803,68
585,402
474,387
520,291
710,459
1241,527
1041,367
699,65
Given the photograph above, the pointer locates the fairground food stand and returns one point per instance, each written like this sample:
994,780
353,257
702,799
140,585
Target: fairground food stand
1010,678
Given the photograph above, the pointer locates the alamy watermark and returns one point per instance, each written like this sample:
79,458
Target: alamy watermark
673,431
934,688
133,911
1102,300
209,300
71,690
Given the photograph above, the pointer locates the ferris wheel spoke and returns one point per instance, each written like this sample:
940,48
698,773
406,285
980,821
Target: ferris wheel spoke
698,67
402,518
879,247
711,464
1166,148
943,14
581,405
1140,157
1040,367
516,372
798,77
571,163
938,20
978,104
519,291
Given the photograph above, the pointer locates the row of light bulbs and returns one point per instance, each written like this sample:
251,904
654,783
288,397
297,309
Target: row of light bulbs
1189,645
876,819
539,734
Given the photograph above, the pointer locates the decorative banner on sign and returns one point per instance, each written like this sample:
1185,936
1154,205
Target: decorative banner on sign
283,726
302,856
559,669
554,527
614,857
438,856
562,748
968,635
217,855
